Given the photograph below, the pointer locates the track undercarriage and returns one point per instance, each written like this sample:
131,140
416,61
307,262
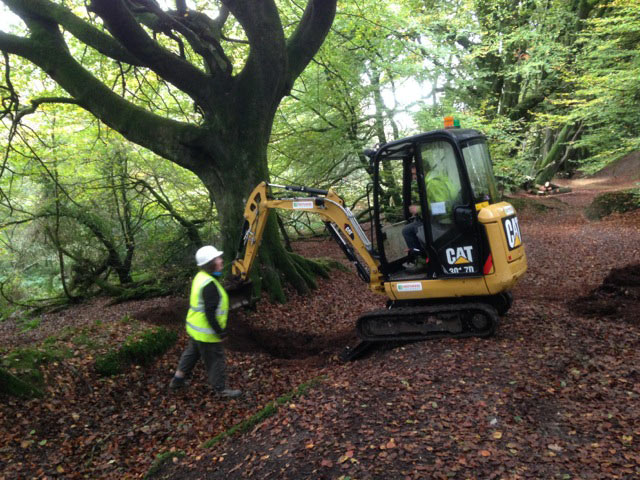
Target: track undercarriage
424,321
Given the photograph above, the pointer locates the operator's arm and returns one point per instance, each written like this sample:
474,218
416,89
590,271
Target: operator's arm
211,298
414,209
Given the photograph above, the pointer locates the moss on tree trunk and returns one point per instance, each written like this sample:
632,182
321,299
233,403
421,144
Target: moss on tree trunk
229,188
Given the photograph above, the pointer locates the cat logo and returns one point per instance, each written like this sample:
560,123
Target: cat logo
512,232
460,255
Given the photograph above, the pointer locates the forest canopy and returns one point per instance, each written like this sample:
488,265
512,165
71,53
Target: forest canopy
88,207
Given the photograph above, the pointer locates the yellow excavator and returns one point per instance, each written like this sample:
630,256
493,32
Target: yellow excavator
470,253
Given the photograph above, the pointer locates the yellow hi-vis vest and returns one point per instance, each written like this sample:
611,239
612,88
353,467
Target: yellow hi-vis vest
197,325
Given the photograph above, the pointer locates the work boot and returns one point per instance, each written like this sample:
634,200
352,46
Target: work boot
177,383
413,268
417,265
229,393
414,253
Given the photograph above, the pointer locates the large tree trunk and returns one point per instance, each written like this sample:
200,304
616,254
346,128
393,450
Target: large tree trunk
229,189
548,166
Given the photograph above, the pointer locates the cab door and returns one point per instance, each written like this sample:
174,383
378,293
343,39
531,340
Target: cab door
451,234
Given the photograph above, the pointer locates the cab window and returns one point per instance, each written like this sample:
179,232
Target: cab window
442,185
478,163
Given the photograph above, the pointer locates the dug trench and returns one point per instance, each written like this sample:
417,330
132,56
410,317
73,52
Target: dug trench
243,336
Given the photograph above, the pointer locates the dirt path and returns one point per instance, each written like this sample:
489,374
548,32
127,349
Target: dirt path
555,394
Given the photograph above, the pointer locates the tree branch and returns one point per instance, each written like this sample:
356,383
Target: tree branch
262,25
189,226
201,32
124,27
36,102
309,35
79,28
168,138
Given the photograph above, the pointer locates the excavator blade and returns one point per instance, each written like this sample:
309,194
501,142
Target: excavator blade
239,291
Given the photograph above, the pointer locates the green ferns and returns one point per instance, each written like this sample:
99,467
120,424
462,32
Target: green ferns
140,351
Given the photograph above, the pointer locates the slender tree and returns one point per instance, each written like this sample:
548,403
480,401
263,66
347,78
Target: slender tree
235,85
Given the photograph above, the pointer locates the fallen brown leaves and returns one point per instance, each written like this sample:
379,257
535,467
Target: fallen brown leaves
553,395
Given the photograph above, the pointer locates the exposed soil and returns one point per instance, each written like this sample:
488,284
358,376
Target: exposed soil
627,169
554,395
618,298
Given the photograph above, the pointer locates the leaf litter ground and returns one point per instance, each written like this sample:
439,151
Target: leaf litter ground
553,395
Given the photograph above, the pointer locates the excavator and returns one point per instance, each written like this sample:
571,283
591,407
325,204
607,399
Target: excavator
458,283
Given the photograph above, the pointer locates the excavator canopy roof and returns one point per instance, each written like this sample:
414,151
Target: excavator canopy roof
401,148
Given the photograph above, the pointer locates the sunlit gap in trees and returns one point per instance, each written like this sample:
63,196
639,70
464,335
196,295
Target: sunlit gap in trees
206,7
8,19
408,98
412,94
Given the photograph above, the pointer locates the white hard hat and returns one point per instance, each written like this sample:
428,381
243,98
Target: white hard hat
205,254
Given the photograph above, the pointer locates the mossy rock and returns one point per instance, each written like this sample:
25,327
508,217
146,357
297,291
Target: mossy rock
20,373
613,202
15,387
140,351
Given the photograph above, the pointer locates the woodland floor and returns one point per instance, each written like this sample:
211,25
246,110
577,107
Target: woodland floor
554,395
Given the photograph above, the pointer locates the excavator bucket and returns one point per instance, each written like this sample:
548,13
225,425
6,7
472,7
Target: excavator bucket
239,291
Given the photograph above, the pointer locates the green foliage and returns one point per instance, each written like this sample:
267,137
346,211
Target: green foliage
607,91
30,324
14,386
113,220
81,337
94,213
343,103
7,310
140,350
613,202
524,74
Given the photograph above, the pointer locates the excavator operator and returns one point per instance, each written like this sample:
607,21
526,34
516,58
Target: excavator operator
440,191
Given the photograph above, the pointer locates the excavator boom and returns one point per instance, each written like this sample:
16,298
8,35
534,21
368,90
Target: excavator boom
340,221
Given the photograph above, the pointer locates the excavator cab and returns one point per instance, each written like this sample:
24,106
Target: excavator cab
428,190
435,194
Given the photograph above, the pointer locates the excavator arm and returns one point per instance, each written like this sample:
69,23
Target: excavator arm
339,220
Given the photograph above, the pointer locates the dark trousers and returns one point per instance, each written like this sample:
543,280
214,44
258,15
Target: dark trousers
212,355
410,234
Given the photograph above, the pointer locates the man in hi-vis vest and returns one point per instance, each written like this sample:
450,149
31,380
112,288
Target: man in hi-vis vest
206,324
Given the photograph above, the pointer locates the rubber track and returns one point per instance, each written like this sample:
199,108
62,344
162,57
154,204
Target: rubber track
461,312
